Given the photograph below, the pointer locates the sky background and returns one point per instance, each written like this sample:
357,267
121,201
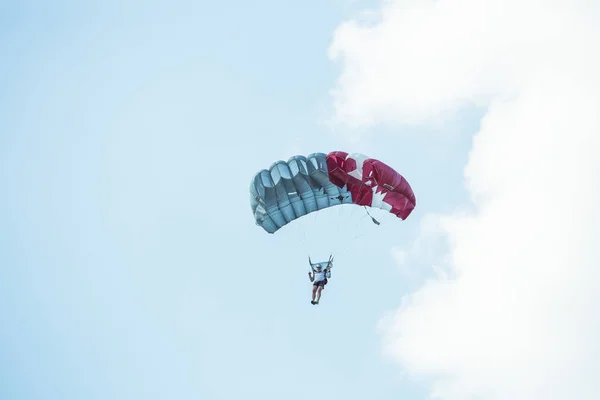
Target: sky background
130,264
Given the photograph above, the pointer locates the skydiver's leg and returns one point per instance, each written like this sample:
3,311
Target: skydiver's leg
319,293
314,292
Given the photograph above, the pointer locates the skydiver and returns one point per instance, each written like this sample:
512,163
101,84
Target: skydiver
319,279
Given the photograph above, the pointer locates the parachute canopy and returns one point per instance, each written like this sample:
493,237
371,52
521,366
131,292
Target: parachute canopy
302,185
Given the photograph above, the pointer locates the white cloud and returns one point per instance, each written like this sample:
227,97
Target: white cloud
426,255
399,255
519,316
419,58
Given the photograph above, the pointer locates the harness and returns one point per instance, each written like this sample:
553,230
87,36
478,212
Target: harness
324,272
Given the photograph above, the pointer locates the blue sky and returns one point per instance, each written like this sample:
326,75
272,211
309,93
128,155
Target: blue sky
130,265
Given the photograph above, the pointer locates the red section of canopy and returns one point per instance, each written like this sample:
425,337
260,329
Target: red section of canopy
377,183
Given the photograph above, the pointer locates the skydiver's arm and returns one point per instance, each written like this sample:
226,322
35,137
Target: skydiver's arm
311,277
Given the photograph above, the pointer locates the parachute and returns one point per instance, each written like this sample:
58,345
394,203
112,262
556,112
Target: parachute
290,190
